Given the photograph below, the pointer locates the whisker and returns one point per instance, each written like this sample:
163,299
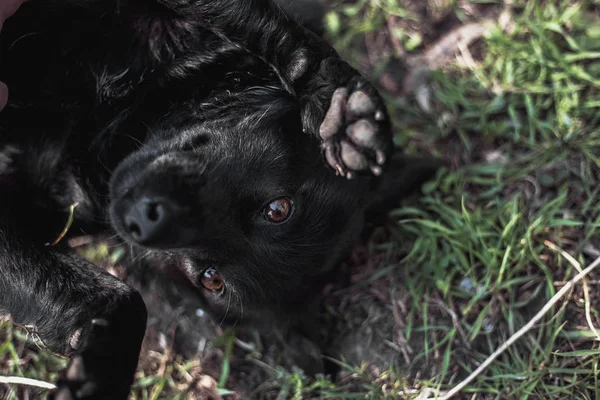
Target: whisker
227,309
22,37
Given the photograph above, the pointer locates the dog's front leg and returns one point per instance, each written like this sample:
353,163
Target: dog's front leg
339,106
74,309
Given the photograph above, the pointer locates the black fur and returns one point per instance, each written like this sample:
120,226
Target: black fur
210,108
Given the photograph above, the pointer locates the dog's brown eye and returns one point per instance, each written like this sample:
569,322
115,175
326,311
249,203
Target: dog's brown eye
278,210
211,279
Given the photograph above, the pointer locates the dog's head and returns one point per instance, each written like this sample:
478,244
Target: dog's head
242,200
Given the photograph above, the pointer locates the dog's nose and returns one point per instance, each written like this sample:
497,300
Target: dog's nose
148,220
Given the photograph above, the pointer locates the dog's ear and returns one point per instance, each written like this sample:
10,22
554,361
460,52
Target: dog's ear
150,39
404,175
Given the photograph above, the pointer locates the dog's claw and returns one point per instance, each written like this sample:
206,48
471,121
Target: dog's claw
380,157
100,322
351,132
376,169
333,158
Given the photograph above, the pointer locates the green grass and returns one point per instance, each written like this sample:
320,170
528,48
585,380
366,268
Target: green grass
521,129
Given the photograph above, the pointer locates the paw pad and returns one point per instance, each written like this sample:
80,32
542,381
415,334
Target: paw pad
352,133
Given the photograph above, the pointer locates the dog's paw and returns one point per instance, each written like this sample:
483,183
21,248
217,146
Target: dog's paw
75,382
355,130
83,380
94,374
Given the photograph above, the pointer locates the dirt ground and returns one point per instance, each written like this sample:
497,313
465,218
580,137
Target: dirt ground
368,307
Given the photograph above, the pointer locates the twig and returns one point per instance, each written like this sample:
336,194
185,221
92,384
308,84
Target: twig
592,282
467,57
455,321
405,348
443,51
391,26
455,390
67,225
586,289
15,380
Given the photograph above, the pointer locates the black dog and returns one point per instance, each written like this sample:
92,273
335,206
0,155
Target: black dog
214,132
